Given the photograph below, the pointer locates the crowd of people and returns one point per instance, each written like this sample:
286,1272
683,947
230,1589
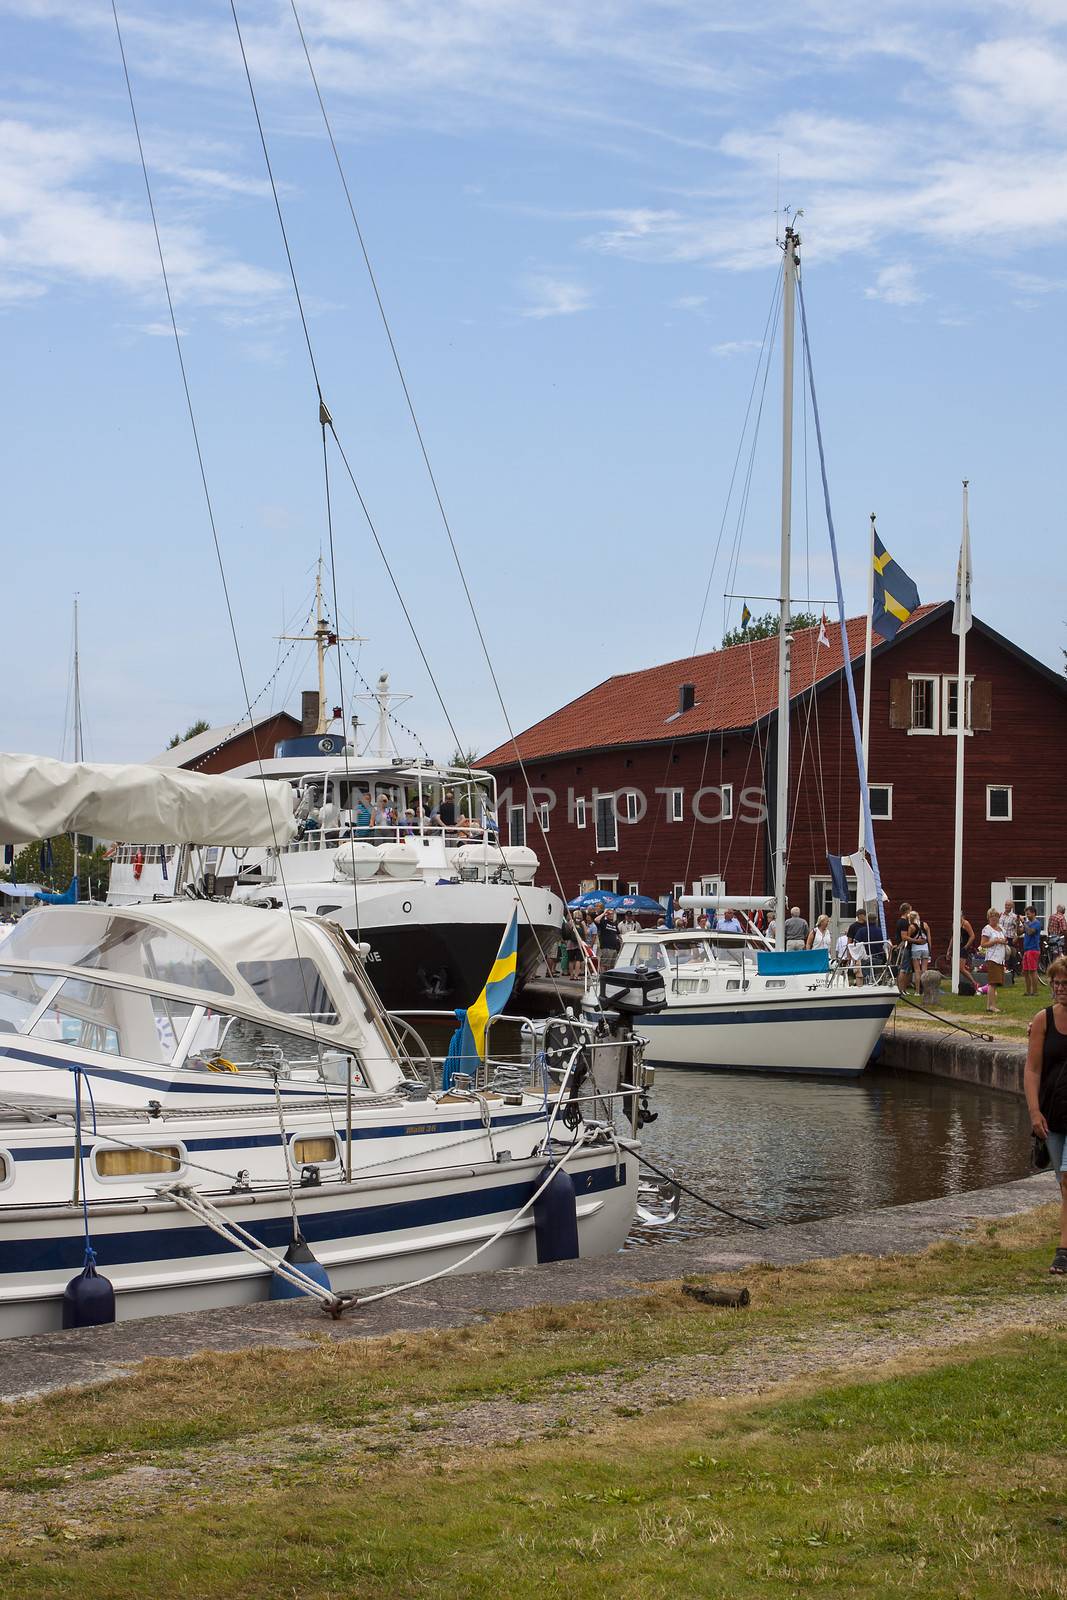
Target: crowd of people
389,817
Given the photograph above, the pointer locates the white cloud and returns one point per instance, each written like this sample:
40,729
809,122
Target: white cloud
897,285
689,302
735,347
554,297
56,225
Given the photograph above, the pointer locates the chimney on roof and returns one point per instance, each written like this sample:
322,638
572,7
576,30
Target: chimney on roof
687,697
309,711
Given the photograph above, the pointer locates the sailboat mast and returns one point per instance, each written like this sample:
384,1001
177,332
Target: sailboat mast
781,808
78,752
320,648
77,730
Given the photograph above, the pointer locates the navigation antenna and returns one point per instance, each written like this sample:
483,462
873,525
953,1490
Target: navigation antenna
323,637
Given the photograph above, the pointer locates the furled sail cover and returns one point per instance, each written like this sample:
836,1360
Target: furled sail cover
40,798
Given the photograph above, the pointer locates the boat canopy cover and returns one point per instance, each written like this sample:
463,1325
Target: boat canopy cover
726,902
40,798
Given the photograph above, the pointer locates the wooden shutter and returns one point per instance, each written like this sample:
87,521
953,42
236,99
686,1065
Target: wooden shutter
981,705
900,703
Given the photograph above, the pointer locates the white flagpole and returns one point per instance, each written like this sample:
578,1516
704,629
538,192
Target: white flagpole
961,622
866,736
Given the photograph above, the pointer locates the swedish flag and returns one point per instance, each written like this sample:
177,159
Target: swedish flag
466,1048
746,616
895,595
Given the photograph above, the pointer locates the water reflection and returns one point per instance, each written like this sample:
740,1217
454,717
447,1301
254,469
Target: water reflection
795,1149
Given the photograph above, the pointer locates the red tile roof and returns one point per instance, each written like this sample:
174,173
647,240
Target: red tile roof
734,688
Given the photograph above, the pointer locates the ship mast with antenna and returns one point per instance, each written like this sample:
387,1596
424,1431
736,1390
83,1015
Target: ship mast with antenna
323,638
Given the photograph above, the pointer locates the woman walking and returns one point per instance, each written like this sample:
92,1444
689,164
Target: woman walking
920,947
1045,1082
994,947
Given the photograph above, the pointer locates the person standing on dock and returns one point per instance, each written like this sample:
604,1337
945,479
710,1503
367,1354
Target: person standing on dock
796,930
994,947
1031,949
610,939
1045,1082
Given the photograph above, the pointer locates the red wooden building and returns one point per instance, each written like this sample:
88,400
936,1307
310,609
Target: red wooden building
662,779
235,744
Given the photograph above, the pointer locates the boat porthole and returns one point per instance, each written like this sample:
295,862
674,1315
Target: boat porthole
406,907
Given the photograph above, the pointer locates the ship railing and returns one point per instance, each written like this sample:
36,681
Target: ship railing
612,1079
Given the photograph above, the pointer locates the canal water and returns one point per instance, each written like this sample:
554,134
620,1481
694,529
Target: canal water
787,1149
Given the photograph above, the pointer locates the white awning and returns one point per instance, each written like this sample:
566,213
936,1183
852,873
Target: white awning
40,798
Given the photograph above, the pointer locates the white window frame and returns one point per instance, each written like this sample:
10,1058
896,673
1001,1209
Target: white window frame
544,812
950,679
513,812
1001,788
333,1162
146,1178
726,810
677,808
931,678
633,804
607,883
881,816
581,812
633,888
677,889
711,886
610,801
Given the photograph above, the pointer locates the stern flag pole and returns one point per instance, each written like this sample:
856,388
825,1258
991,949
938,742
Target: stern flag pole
961,622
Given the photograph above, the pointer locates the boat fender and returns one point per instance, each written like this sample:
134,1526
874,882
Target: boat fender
556,1220
298,1255
88,1299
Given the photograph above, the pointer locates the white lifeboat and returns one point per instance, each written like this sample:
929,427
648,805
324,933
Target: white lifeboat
357,859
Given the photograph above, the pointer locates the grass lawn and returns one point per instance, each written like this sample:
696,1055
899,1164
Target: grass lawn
1016,1008
942,1477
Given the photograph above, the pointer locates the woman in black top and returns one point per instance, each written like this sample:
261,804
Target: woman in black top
1045,1081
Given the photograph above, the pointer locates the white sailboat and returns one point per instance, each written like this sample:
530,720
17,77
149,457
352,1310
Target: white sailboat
732,1001
194,1093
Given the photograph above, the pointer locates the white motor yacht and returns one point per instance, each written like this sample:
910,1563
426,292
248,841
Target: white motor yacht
734,1002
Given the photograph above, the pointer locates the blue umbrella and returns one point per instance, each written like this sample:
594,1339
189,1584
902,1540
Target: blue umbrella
601,897
639,902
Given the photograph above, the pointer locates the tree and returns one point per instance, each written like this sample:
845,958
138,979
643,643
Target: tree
464,758
199,726
766,627
94,868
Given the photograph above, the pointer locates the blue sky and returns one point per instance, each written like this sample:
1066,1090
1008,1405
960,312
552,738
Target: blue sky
571,213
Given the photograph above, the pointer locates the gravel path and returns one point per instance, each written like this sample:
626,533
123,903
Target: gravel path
81,1501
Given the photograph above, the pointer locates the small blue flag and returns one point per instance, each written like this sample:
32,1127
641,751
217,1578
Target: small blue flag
838,882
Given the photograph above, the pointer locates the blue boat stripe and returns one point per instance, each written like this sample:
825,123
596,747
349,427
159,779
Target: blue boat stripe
743,1014
147,1244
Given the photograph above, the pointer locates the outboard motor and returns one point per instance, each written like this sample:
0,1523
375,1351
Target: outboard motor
627,993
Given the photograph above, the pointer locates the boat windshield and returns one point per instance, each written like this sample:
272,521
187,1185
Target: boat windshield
116,1021
696,952
104,942
20,995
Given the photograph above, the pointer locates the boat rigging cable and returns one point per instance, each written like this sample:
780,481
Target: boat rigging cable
768,334
207,495
326,421
546,843
865,794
